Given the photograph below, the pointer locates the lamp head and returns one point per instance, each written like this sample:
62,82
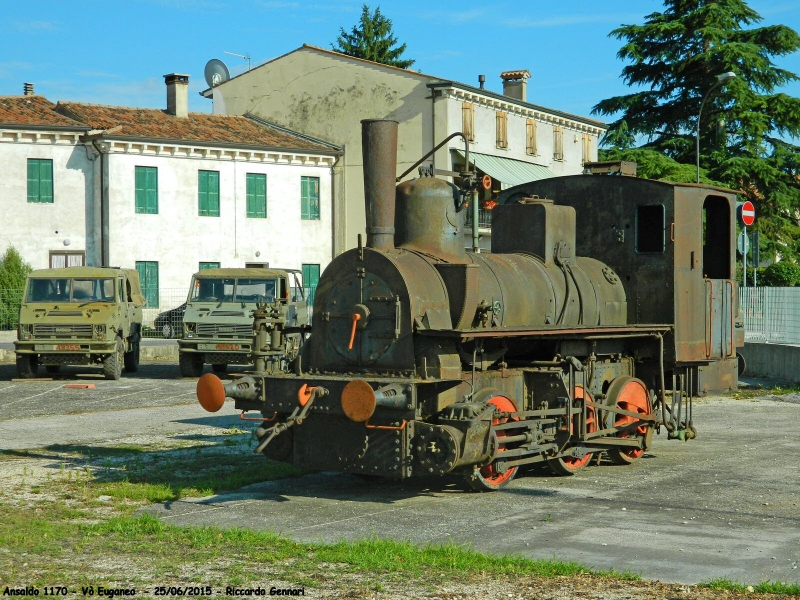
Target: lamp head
726,77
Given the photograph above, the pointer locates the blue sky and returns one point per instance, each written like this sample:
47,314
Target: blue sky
116,52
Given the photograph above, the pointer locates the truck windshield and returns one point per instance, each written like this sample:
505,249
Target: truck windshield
213,290
233,290
70,290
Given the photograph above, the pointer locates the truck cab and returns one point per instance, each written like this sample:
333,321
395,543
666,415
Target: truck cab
80,316
218,322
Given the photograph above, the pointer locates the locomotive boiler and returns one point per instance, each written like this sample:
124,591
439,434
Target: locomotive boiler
426,359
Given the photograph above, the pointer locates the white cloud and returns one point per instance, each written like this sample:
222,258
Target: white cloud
34,26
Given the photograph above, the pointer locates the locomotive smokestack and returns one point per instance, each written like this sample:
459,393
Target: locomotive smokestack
379,149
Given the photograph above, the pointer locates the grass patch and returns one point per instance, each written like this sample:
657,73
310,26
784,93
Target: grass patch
765,587
766,390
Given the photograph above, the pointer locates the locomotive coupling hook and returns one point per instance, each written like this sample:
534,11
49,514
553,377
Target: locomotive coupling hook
306,397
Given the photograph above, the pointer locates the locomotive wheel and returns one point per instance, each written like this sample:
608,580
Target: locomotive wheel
569,465
629,393
486,479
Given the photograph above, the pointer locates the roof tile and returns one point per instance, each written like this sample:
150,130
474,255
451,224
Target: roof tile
33,110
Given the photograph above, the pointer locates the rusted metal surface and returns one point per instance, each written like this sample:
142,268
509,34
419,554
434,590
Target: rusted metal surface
379,147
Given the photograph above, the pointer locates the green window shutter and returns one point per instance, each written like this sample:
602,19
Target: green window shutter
256,196
33,180
310,281
46,181
146,190
148,279
309,198
40,180
208,193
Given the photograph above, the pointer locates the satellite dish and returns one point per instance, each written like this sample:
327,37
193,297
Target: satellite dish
216,72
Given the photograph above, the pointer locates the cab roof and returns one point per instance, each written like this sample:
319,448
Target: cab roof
80,272
240,272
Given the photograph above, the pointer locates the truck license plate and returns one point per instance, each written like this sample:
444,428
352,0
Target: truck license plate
228,347
68,347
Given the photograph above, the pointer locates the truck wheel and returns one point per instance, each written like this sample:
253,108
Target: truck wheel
112,364
219,367
191,364
27,366
132,358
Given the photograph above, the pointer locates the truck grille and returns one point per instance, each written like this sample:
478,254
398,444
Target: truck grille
222,331
83,331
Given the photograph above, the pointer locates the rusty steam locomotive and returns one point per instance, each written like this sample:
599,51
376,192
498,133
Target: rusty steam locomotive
425,359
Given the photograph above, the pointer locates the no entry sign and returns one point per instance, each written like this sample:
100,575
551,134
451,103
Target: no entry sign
747,213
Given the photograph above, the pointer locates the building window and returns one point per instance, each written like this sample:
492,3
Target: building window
208,265
309,197
530,137
147,190
208,193
558,142
256,196
586,148
468,120
59,260
502,130
40,180
310,281
148,279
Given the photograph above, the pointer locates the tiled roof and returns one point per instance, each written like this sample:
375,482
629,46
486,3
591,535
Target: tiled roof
33,110
197,127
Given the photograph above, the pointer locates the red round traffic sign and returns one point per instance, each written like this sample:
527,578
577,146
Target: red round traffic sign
747,213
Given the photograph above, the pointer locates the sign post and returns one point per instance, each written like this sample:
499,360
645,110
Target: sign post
747,215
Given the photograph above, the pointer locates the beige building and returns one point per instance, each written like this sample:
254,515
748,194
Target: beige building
325,94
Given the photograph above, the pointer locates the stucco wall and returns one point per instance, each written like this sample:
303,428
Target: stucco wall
179,239
36,229
326,96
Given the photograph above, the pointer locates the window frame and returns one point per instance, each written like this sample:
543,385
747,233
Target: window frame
207,193
531,134
149,289
558,142
501,120
66,254
35,196
468,120
307,212
145,195
649,234
252,195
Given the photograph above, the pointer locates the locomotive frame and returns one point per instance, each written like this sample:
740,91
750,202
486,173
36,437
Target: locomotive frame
426,360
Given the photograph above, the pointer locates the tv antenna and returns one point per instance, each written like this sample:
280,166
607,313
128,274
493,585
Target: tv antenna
244,56
216,72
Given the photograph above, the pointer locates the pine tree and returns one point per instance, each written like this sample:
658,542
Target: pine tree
13,272
674,58
372,39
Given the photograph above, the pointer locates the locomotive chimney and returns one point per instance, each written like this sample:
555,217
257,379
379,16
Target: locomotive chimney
379,150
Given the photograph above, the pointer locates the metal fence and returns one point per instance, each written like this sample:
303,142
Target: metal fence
771,314
484,218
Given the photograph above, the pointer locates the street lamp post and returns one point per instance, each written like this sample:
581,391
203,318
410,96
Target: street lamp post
721,80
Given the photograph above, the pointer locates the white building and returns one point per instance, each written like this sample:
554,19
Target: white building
326,94
168,192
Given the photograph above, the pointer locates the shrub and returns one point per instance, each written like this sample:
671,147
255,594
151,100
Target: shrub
13,271
782,274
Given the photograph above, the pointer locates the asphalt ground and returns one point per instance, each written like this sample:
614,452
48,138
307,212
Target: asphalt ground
724,505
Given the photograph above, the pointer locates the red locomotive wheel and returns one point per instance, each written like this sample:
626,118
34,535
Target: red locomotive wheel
630,394
486,479
569,465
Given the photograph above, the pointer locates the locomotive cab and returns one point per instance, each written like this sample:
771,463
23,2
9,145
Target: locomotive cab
672,246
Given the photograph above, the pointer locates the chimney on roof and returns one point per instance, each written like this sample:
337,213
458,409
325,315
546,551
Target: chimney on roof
177,94
27,89
515,84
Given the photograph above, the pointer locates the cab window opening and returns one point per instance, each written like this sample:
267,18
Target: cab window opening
716,238
650,228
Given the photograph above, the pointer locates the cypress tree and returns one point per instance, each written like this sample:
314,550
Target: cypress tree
372,39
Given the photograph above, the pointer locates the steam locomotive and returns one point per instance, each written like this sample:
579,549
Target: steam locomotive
425,359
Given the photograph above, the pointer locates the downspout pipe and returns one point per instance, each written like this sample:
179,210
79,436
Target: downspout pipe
379,151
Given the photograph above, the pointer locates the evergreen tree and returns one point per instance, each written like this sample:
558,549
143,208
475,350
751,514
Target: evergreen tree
13,272
372,39
674,58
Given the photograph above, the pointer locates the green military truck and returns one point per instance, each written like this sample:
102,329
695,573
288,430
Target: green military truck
218,322
80,316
